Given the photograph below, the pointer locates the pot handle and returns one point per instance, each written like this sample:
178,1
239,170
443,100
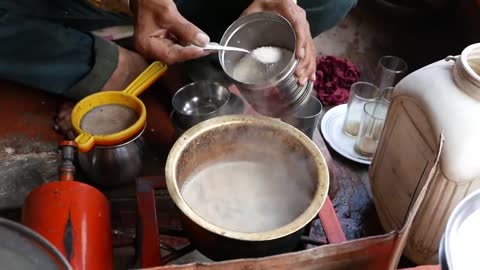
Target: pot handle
146,78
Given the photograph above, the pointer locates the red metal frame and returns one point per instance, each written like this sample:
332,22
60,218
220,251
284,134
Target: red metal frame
331,225
148,246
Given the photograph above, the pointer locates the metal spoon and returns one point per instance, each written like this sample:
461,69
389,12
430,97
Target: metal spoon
215,47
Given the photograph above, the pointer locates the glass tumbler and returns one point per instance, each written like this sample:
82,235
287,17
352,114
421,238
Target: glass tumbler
390,70
360,93
371,127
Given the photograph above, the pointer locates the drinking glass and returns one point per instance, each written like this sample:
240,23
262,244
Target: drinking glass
387,94
360,93
371,127
390,70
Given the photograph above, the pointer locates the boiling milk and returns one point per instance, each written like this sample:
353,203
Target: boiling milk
108,119
245,196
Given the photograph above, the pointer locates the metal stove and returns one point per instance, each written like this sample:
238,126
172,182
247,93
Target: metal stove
159,238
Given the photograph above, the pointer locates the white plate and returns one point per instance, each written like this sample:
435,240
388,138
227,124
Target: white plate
332,130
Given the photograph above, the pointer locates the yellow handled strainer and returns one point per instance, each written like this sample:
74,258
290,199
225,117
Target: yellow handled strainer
127,97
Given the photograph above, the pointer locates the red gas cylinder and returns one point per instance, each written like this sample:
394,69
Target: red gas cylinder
73,216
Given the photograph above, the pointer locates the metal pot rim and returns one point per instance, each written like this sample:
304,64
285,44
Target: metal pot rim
310,212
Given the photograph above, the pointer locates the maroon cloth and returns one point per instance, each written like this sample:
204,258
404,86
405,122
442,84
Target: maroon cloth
334,78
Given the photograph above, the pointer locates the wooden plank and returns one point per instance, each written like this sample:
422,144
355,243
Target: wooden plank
331,225
371,253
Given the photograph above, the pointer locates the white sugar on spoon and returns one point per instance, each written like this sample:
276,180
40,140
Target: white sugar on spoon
268,54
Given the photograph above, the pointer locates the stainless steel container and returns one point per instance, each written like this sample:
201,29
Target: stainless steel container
306,117
281,93
110,166
234,105
199,101
442,259
242,137
458,242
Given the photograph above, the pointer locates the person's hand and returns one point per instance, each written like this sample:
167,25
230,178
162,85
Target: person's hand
305,50
163,34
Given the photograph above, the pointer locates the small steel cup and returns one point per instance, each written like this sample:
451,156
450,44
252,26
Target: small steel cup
199,101
234,105
306,117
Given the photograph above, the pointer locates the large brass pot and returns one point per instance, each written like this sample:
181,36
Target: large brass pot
241,137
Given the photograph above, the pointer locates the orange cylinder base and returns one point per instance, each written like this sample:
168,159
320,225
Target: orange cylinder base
75,218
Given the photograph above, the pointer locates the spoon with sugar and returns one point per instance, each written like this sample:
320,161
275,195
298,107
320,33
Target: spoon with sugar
266,55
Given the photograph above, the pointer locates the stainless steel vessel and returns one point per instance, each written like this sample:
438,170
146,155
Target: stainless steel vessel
199,101
241,137
234,105
23,248
454,242
280,94
115,165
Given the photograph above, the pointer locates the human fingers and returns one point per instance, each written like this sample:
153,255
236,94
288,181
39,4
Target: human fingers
171,53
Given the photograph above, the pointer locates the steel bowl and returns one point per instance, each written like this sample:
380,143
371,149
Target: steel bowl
442,258
462,211
281,93
234,105
115,165
245,138
199,101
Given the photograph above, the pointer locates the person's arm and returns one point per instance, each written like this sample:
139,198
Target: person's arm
161,32
305,49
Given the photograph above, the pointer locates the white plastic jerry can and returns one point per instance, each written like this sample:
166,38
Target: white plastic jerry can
443,96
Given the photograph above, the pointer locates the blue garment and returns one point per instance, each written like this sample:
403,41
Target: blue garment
45,44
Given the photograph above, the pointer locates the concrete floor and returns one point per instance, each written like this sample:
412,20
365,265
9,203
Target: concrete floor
370,32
